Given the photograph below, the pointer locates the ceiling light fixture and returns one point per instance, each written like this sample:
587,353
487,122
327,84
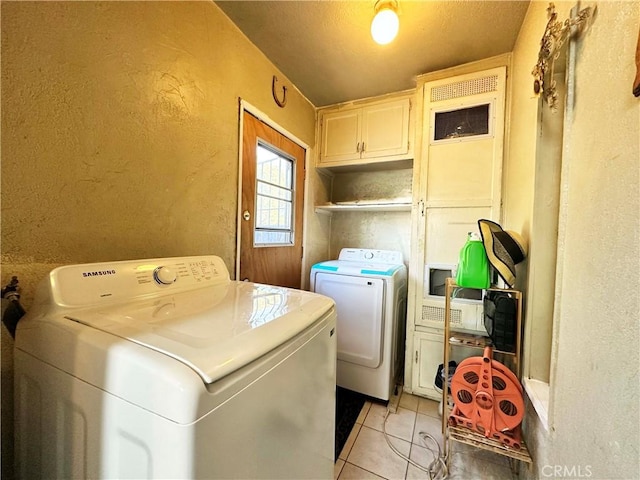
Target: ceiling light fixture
385,24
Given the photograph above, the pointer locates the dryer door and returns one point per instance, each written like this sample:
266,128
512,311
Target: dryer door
360,307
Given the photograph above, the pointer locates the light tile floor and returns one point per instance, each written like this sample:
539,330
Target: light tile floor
366,454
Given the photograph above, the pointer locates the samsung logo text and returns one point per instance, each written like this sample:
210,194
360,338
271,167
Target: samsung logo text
99,273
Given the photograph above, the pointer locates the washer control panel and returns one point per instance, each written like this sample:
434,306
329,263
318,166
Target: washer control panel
371,256
96,283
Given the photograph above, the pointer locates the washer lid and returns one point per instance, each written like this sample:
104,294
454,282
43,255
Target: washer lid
214,330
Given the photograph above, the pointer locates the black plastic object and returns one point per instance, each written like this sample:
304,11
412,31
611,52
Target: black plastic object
13,311
439,380
500,319
12,315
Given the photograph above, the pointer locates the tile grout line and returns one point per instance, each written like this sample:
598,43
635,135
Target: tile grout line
368,405
393,409
467,456
396,407
346,458
368,471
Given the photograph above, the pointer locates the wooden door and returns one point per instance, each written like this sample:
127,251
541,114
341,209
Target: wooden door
272,206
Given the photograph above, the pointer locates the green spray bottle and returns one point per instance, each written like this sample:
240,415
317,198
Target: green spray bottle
473,265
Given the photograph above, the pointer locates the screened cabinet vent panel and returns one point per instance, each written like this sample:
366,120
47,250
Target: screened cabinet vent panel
464,88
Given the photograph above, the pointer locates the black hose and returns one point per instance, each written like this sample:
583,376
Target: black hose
14,311
12,315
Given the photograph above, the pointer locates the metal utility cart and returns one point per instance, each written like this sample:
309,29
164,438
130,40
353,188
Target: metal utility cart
462,434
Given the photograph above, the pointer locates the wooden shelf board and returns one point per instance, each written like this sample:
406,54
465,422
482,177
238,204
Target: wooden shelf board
364,207
368,165
469,437
474,341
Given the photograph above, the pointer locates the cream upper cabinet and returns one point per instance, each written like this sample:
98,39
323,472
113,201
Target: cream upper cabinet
341,136
369,133
385,129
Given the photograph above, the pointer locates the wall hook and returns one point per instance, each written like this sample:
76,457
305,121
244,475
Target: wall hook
282,103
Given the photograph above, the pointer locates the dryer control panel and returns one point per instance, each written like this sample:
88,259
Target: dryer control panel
97,283
370,255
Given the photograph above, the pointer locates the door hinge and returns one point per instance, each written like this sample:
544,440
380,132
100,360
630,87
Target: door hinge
416,356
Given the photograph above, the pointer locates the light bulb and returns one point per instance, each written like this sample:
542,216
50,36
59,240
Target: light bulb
384,26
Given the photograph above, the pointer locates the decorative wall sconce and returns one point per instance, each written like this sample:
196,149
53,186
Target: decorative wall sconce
555,34
385,23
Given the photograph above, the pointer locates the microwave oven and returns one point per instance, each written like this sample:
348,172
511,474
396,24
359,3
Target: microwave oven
467,312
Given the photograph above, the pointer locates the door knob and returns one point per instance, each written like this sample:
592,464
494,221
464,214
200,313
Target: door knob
246,215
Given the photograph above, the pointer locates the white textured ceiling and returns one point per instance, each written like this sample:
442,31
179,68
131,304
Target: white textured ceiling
325,47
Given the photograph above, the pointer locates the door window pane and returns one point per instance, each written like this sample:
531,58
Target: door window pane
274,198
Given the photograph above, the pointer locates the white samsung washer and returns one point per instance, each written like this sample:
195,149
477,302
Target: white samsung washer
165,368
370,291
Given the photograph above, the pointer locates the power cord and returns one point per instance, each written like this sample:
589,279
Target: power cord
437,469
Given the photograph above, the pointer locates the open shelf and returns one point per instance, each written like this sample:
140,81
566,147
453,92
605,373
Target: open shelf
364,206
460,339
465,435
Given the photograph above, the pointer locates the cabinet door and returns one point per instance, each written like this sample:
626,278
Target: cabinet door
464,135
428,354
447,228
341,133
385,129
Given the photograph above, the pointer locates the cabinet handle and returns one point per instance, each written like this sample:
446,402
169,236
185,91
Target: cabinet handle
358,147
362,151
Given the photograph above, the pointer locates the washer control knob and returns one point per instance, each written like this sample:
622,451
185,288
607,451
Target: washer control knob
164,276
368,255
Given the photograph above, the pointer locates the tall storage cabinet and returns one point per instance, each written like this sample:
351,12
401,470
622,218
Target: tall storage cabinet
457,180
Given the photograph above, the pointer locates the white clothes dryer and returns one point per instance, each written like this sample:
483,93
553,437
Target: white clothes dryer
165,368
370,291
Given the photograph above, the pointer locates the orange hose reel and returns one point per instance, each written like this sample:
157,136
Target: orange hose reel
488,399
